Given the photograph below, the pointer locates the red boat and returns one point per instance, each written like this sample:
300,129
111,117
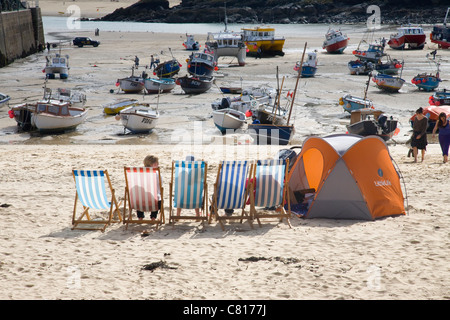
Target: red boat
408,38
335,42
441,34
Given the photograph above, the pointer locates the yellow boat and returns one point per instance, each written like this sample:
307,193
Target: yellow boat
264,38
114,107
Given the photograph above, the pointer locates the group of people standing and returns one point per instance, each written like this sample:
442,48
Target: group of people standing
419,137
153,62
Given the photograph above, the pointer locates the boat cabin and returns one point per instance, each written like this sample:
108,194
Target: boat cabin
410,31
57,109
224,39
258,33
199,57
364,114
57,61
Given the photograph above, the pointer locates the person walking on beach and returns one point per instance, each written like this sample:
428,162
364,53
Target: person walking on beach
136,62
152,162
258,53
443,124
419,137
152,62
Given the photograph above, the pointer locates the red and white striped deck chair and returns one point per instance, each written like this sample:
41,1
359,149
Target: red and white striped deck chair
143,190
270,190
91,192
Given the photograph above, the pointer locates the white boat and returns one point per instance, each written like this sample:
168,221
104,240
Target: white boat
4,98
131,84
228,119
76,98
250,99
190,43
387,82
116,105
56,64
155,85
57,116
139,118
335,41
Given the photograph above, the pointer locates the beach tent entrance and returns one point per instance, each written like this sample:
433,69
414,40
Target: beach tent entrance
345,176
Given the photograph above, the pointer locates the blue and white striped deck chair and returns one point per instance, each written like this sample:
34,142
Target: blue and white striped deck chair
230,190
188,189
270,191
91,192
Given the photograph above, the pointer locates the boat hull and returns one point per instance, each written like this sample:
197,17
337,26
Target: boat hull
358,67
49,123
440,98
336,47
131,85
139,119
371,127
163,85
413,42
167,69
116,106
195,85
265,134
350,103
228,119
52,71
388,83
268,47
308,71
426,82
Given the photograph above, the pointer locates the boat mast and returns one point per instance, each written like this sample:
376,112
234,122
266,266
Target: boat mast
367,86
296,84
226,19
446,15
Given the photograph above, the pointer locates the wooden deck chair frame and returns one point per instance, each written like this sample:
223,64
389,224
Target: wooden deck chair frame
145,203
261,190
188,192
91,192
214,209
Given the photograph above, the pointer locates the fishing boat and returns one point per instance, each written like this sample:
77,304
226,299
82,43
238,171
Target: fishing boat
441,34
201,64
57,117
163,85
226,44
116,105
309,67
440,98
76,98
167,69
244,102
228,119
195,85
372,54
131,84
139,118
335,41
387,82
234,90
190,43
351,103
428,82
408,38
263,37
368,121
358,67
387,65
432,113
4,98
56,64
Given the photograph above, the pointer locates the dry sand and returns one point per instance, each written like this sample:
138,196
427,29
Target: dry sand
42,258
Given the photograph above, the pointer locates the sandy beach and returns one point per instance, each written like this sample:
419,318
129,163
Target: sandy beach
395,258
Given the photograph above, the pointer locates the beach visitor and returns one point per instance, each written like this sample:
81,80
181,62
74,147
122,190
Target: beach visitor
419,136
48,46
152,62
443,124
152,162
136,61
197,210
258,53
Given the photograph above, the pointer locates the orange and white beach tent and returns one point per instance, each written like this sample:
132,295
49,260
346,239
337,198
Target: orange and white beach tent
352,177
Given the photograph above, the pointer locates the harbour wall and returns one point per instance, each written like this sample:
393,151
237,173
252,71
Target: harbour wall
21,34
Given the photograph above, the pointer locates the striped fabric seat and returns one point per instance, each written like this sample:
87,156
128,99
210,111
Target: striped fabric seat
270,176
189,177
143,187
91,190
270,190
232,184
143,191
92,193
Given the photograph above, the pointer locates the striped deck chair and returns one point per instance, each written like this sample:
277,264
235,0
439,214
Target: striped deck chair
143,191
91,192
188,189
271,192
230,190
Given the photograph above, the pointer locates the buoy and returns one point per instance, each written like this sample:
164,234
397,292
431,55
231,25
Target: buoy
11,114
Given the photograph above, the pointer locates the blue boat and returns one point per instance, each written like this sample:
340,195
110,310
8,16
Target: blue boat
351,103
440,98
427,82
372,54
358,67
4,98
201,64
265,134
167,69
309,67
